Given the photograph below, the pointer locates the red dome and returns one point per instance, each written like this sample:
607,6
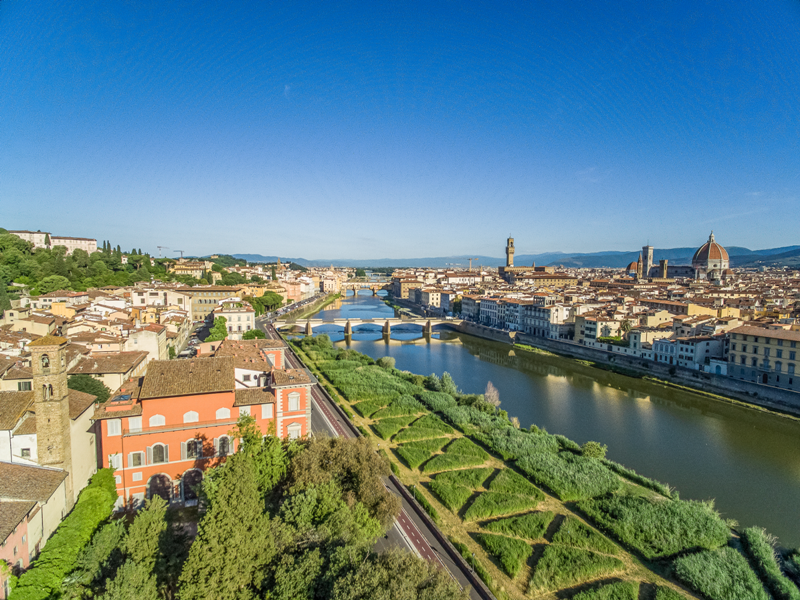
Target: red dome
711,251
634,266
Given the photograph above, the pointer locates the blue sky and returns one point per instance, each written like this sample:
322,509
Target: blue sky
388,129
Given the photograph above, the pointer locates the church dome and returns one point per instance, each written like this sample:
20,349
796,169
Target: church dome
711,256
632,268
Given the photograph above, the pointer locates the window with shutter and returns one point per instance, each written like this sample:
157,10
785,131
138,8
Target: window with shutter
149,455
223,413
224,446
184,451
191,417
157,421
159,454
244,410
294,401
135,424
267,411
114,427
135,459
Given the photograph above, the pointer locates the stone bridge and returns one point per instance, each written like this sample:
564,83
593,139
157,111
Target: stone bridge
375,286
308,325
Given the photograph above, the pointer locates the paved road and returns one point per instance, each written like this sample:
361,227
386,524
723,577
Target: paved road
410,531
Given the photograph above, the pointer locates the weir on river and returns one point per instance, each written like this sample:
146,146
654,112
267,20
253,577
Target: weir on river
747,460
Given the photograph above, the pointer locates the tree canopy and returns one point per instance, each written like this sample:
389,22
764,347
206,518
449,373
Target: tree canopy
89,385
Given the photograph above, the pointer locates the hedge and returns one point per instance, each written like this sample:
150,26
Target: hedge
57,559
762,555
532,526
425,503
494,504
469,478
452,496
658,528
570,477
511,552
574,533
562,566
388,427
473,562
620,590
509,482
719,575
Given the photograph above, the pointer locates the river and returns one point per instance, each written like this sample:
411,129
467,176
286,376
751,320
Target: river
748,461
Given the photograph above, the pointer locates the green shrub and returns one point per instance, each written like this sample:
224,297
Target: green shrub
466,447
43,579
363,431
658,528
511,482
511,552
469,478
452,496
566,443
512,443
620,590
562,566
420,497
494,504
404,405
532,526
665,593
366,408
366,382
347,412
473,562
413,433
570,477
416,453
759,547
631,475
594,450
448,462
390,462
719,575
432,422
574,533
437,401
792,562
386,428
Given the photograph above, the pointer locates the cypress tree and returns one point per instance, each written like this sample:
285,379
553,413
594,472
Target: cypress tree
5,303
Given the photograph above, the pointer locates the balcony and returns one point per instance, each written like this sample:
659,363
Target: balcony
178,427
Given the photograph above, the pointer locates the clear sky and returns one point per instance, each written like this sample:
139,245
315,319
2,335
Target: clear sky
401,129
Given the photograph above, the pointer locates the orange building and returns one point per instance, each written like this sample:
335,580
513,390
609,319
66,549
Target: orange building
161,431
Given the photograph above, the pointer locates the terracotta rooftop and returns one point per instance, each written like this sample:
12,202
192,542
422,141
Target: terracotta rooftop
12,406
250,396
49,340
121,362
779,334
79,402
187,377
11,514
290,377
27,482
132,408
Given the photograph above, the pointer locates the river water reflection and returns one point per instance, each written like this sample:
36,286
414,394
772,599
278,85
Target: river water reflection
747,460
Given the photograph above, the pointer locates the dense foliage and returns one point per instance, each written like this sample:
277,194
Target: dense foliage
531,526
219,331
495,504
574,533
469,478
511,552
416,453
89,385
721,574
59,556
562,566
760,547
620,590
571,477
658,528
452,496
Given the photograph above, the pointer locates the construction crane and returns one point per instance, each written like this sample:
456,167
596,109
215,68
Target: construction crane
160,248
181,251
470,262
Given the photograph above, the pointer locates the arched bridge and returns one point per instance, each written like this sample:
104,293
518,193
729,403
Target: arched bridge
375,286
308,325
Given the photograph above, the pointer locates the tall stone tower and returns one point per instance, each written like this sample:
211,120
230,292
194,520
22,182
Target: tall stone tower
639,267
647,256
663,263
51,405
510,252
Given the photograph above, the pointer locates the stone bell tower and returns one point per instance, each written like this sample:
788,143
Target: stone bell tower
51,405
510,252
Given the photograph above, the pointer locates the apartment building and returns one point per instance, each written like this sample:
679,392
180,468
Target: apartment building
768,356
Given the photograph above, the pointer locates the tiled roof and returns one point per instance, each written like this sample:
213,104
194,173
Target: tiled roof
12,406
779,334
27,482
131,388
28,426
187,377
249,396
79,402
49,340
121,362
290,377
11,515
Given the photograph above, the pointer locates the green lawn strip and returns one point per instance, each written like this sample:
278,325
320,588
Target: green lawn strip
658,528
466,447
721,574
448,462
367,407
574,533
412,433
495,504
620,590
761,552
416,453
469,556
386,428
404,405
665,593
433,422
562,566
532,526
469,478
570,477
420,497
511,482
511,552
452,496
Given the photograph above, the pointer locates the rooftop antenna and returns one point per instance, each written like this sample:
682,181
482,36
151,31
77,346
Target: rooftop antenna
160,248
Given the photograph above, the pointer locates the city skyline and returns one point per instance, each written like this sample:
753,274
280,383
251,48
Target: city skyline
401,132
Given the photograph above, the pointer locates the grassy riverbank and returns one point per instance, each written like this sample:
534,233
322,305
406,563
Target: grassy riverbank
484,479
314,308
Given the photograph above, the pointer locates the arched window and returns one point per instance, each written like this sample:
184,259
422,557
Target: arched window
191,417
63,362
45,361
158,454
50,391
157,421
192,449
294,430
223,413
160,485
223,446
45,393
294,401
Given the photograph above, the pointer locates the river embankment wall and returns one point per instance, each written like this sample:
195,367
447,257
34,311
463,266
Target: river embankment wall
721,387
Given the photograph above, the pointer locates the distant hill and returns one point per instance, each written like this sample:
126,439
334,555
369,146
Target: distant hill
609,259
